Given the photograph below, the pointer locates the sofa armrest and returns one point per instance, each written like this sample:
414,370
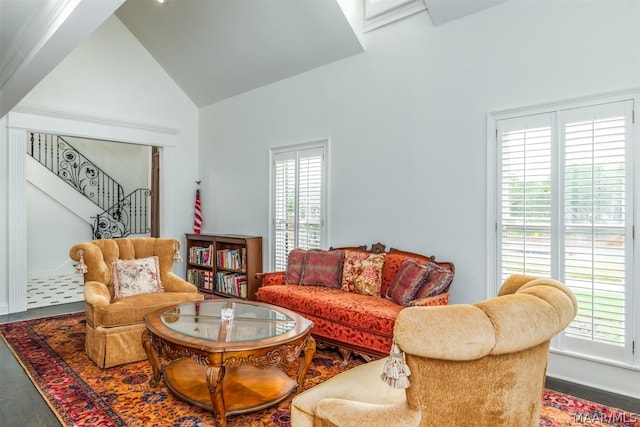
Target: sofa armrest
349,413
271,278
174,283
97,294
442,299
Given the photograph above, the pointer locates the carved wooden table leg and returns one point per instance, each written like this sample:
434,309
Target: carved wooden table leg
215,374
147,344
309,351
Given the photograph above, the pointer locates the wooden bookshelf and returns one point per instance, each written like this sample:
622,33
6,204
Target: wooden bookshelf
224,264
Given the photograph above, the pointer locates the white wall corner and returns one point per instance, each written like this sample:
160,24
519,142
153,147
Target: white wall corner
354,12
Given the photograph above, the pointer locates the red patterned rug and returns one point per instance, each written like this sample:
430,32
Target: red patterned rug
81,394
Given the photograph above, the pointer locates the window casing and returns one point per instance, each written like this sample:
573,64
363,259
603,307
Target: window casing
298,200
563,207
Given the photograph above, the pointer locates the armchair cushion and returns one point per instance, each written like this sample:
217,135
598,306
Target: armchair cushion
361,383
136,276
133,308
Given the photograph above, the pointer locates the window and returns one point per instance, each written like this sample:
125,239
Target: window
564,209
298,200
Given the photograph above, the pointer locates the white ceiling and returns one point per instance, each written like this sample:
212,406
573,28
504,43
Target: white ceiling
213,49
217,49
37,35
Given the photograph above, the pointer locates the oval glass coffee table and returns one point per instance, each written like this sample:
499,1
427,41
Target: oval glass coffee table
225,354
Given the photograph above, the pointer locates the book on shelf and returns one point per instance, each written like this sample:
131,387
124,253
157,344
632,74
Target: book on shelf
201,255
232,259
203,279
231,283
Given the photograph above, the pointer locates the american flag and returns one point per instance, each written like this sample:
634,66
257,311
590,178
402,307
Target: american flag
197,214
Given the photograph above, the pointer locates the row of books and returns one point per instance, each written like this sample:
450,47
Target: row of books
232,284
201,278
232,259
201,256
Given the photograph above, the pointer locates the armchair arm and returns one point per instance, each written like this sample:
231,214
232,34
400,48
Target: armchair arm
271,278
349,413
174,283
97,294
98,270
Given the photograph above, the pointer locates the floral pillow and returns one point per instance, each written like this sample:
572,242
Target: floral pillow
438,282
362,272
136,276
322,268
295,265
409,279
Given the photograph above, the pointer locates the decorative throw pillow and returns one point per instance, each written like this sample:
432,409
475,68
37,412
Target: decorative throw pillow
438,282
295,264
408,280
322,268
136,276
392,263
362,272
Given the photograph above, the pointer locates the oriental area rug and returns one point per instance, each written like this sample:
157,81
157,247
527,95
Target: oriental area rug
81,394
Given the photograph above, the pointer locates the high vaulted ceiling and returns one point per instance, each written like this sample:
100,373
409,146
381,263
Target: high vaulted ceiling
218,49
213,49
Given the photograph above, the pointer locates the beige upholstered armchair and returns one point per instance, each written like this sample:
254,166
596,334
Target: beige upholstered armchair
120,286
481,365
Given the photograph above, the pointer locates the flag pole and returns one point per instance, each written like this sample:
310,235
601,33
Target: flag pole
197,211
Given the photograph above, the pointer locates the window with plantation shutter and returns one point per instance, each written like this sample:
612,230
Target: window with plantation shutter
564,209
525,190
297,200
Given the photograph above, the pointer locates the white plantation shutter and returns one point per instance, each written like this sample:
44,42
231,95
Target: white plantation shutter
597,223
309,199
284,195
298,201
564,210
525,194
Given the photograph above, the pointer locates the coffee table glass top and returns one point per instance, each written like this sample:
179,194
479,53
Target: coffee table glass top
227,321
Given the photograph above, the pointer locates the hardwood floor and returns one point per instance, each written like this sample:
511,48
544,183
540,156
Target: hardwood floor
20,402
22,405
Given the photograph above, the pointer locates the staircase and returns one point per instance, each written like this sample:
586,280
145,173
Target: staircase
118,215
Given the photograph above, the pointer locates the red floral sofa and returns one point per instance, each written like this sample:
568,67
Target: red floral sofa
353,294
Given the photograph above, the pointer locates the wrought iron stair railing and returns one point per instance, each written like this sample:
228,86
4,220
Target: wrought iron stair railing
129,216
121,215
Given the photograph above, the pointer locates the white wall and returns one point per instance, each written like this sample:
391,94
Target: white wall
48,247
110,87
406,122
